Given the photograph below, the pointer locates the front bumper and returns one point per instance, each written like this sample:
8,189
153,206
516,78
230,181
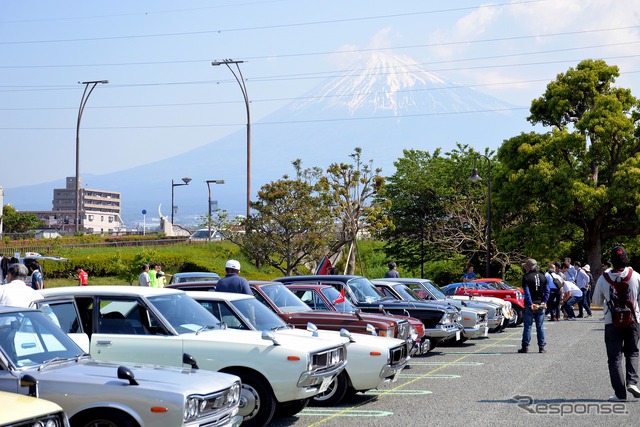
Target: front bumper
445,332
313,383
476,331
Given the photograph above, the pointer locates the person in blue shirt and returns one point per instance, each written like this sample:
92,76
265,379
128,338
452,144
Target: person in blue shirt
232,282
470,275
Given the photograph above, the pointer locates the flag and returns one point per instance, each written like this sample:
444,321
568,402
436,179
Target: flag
324,265
340,298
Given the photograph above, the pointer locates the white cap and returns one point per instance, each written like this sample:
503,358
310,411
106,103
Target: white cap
232,263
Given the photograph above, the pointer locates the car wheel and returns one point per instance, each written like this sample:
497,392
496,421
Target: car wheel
289,409
257,403
519,317
103,418
335,393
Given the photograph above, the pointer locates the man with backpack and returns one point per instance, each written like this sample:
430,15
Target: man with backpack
617,292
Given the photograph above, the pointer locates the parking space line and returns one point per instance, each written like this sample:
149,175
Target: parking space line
312,412
436,376
413,362
483,347
398,392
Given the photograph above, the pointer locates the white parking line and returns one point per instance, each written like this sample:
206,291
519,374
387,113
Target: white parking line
342,413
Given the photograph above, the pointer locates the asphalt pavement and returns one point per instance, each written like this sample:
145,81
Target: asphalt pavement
486,382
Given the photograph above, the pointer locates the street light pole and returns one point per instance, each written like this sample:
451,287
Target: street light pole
173,206
83,102
475,177
243,87
211,181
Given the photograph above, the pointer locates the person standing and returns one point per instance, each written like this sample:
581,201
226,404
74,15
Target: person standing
392,273
153,275
620,341
83,276
36,276
470,275
16,292
582,282
143,278
161,278
536,295
570,272
555,291
232,282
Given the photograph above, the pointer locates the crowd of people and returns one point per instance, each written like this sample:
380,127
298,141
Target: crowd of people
152,276
570,284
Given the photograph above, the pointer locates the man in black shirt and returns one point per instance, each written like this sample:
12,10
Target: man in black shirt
536,295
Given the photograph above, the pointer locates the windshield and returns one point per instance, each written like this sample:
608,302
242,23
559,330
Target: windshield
406,293
364,290
258,315
284,299
30,338
435,291
334,296
184,313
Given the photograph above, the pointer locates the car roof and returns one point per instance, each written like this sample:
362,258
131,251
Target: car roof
9,309
228,296
334,277
197,273
108,290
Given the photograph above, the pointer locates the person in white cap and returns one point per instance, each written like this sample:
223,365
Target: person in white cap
232,282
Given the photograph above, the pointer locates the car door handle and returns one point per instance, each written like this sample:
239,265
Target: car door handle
105,343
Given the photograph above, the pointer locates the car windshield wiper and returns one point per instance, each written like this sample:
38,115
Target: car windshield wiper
278,327
205,327
50,361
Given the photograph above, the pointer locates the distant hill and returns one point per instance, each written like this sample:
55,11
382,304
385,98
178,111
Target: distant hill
384,105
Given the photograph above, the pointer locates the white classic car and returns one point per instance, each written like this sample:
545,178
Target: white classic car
159,325
39,360
372,361
25,411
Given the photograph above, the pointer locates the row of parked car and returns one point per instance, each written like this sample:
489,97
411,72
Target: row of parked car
223,359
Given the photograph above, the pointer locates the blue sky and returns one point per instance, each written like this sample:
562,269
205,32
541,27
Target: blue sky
164,97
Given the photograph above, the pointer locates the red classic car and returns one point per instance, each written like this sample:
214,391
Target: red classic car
483,288
326,297
295,312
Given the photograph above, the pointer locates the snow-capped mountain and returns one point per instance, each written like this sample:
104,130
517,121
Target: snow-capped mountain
383,105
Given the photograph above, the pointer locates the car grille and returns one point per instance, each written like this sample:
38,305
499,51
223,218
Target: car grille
404,330
328,359
498,311
482,317
398,354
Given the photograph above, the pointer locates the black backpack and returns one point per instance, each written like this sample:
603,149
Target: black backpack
621,305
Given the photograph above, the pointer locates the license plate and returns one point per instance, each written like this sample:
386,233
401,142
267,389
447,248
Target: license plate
486,331
457,335
395,377
325,384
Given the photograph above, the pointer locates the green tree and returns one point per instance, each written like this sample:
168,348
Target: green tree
578,181
352,188
19,222
290,225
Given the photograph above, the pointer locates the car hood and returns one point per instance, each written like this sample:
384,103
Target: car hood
87,372
399,305
359,340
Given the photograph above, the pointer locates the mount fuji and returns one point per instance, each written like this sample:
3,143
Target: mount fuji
384,105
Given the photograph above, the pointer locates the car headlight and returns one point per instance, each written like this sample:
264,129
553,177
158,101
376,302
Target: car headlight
48,423
387,332
193,407
234,394
414,333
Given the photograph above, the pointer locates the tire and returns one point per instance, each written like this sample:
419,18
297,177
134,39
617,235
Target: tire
335,393
289,409
519,318
103,418
257,402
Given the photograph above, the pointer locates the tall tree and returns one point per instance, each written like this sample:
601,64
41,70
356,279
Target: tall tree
581,178
352,188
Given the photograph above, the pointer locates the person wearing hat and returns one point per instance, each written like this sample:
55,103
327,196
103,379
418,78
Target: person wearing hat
582,281
536,295
620,341
587,269
232,282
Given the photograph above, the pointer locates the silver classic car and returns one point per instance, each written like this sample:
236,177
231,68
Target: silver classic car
38,359
159,325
